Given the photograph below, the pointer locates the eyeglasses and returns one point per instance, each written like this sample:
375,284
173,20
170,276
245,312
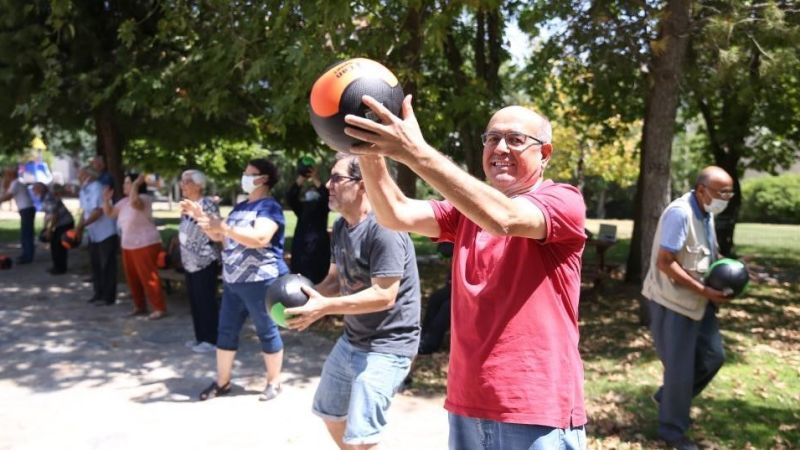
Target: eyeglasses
723,195
336,178
514,140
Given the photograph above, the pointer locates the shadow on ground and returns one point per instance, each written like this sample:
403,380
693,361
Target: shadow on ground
52,339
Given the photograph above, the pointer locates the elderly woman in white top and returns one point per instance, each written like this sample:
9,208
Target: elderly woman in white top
141,244
200,259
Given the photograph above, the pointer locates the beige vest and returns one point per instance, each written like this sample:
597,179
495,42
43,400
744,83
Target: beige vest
694,257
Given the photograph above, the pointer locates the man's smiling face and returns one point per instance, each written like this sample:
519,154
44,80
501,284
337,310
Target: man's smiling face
513,171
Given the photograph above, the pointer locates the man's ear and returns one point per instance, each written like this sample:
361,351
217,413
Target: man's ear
547,151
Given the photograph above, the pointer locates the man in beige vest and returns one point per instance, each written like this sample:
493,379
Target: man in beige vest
682,309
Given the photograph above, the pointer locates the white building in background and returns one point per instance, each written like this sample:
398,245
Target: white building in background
65,170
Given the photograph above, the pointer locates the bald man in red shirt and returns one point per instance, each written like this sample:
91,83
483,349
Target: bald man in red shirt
516,377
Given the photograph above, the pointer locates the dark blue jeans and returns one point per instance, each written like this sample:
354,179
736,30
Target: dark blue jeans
103,259
57,251
692,353
26,218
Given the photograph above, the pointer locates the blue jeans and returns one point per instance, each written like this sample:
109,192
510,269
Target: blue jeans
692,353
240,300
467,433
358,386
26,219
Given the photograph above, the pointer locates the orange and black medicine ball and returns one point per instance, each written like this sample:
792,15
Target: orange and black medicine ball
70,239
338,92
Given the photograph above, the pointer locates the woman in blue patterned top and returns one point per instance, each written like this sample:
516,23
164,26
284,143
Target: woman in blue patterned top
252,258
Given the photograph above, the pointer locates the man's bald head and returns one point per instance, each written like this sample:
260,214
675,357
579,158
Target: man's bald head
713,175
532,122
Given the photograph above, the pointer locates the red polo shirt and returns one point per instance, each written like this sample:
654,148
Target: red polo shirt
514,350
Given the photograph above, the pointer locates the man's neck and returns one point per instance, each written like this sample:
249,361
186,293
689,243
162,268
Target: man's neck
357,216
525,189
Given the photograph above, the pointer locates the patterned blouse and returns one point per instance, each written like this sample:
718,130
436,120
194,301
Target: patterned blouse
197,250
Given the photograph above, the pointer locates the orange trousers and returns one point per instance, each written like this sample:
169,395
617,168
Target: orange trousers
141,271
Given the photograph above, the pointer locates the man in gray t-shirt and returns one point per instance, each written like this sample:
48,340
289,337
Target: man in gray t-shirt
373,281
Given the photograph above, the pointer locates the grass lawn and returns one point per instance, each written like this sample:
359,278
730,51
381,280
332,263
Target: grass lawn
753,403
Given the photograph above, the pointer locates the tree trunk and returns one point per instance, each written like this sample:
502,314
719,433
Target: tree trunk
725,223
473,151
486,53
600,212
653,190
410,54
407,181
633,267
109,144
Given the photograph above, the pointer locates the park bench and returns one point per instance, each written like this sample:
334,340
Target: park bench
605,239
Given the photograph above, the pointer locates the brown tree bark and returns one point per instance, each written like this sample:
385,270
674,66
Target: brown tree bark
653,187
487,51
109,144
727,152
411,53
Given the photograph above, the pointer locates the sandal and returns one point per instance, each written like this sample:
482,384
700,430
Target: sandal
137,312
214,390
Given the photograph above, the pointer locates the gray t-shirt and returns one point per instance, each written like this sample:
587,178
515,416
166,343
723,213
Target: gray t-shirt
368,251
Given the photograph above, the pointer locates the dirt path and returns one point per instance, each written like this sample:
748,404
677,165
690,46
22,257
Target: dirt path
78,376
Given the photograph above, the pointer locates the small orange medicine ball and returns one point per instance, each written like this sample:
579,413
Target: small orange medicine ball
338,92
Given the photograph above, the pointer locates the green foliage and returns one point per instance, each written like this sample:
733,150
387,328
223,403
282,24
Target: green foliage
177,77
772,199
597,53
742,78
689,155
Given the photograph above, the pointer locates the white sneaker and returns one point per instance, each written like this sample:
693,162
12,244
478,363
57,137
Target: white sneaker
270,392
190,344
204,347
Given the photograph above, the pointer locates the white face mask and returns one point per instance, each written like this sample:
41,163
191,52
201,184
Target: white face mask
249,183
716,206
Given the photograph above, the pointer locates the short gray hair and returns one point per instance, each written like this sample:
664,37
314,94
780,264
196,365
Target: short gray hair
198,177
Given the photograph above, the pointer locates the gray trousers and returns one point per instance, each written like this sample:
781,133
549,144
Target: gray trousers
691,352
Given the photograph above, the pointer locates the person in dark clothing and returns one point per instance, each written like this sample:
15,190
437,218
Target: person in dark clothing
308,198
57,221
436,322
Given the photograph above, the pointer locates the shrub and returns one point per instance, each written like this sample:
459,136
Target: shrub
773,199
